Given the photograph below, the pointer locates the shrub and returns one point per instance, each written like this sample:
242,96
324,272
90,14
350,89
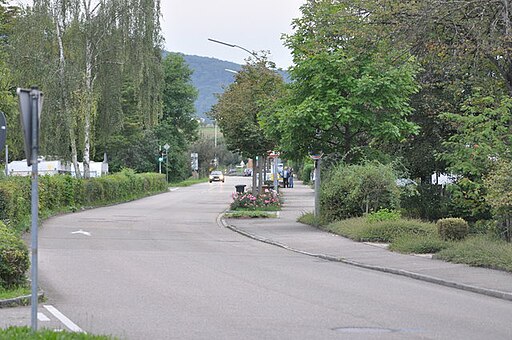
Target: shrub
452,228
418,244
311,219
65,193
481,251
429,202
351,191
14,258
499,187
268,199
383,215
305,174
385,231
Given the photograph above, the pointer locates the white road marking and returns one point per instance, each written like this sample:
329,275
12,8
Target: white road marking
42,317
173,189
86,233
68,323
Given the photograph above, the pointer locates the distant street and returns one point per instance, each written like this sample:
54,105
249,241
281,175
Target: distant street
162,268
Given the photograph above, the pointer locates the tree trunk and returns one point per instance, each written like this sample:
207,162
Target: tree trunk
63,86
254,174
89,83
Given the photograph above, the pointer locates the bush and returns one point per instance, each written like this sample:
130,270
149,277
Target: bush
452,229
65,193
418,244
269,199
385,231
430,202
311,219
480,251
14,258
351,191
383,215
305,174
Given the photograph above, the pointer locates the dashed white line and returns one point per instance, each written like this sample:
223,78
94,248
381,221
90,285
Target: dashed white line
68,323
42,317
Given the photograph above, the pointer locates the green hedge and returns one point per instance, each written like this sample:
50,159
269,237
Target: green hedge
65,193
14,258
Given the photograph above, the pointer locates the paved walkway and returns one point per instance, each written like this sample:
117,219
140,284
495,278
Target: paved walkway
286,232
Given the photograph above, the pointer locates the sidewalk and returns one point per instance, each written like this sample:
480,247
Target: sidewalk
287,233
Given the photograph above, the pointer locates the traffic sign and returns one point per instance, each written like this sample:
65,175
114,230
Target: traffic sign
3,130
31,104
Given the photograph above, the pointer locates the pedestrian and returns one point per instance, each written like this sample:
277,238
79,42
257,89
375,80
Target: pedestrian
290,180
286,175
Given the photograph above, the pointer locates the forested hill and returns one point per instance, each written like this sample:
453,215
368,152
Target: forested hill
210,77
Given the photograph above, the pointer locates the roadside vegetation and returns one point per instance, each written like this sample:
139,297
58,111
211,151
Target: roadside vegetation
247,205
26,333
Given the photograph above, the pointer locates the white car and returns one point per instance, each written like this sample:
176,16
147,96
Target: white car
216,176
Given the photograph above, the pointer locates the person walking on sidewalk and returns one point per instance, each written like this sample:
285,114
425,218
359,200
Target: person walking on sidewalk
286,176
290,179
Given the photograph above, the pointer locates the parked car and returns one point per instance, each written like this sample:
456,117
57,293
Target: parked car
216,176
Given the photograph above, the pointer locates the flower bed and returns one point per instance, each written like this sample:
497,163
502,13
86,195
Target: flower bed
267,200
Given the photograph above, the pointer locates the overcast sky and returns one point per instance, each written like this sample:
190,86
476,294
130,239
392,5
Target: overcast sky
256,25
253,24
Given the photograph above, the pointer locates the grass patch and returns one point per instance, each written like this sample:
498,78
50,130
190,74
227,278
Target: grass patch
251,214
310,219
189,182
418,244
6,294
358,229
25,333
480,251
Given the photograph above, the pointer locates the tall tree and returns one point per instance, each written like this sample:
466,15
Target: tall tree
239,110
351,88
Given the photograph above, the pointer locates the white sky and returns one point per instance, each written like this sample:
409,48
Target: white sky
253,24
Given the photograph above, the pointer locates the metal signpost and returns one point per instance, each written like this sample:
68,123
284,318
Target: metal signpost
31,103
3,137
317,158
166,147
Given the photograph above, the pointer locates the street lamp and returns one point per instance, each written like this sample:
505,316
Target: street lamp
235,46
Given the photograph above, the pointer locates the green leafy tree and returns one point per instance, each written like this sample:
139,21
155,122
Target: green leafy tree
350,87
499,195
240,109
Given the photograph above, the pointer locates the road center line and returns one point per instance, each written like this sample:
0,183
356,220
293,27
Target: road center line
68,323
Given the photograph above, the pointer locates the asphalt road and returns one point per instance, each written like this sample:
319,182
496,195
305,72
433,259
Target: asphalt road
161,268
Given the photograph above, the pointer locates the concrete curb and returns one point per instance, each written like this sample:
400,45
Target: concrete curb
479,290
20,301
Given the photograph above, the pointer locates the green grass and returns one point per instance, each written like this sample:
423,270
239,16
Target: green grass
418,244
14,293
359,229
310,219
25,333
480,251
251,214
189,182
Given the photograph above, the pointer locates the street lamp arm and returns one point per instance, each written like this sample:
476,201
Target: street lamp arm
236,46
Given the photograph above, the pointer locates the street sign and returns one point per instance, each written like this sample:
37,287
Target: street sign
31,104
3,130
316,156
194,164
166,146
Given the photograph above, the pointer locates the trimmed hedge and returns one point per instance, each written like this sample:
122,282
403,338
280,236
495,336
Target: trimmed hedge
65,193
452,229
14,258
